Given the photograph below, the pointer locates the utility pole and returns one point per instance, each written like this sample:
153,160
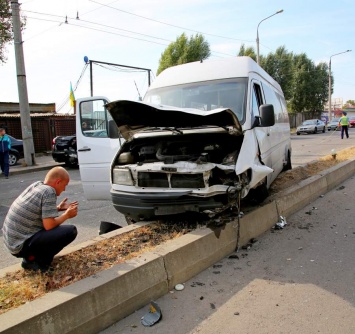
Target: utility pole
26,127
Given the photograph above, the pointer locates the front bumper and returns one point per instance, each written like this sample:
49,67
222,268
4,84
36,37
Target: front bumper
149,205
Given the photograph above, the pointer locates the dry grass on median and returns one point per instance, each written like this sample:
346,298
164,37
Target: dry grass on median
292,177
22,286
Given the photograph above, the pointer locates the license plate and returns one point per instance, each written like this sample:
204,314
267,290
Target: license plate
171,210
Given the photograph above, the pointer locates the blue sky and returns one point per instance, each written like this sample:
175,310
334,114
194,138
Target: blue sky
131,32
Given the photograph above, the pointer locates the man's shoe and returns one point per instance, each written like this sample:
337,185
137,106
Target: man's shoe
33,265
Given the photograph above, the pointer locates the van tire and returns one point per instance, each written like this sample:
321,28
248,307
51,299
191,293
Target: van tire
315,130
288,165
258,195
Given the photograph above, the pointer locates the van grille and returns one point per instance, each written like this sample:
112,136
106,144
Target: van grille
160,180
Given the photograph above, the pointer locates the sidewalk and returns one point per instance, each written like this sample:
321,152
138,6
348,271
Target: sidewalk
43,162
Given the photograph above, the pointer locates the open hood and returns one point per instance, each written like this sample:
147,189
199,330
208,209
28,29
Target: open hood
132,116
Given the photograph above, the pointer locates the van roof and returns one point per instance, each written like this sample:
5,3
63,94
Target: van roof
225,68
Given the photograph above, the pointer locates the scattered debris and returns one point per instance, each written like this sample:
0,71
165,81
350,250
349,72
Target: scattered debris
106,227
217,266
216,272
213,306
202,298
341,188
153,316
179,287
236,313
235,256
194,284
281,224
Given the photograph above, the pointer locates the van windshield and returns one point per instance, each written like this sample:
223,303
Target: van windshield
207,95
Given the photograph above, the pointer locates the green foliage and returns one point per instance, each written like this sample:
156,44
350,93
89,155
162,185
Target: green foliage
184,50
305,85
6,27
249,52
350,103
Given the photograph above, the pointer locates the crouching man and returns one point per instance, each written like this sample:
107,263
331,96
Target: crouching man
33,229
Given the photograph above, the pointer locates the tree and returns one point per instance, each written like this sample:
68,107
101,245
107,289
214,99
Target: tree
349,103
6,27
249,52
184,50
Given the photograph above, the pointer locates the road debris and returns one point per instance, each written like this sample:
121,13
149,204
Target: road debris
281,224
153,316
179,287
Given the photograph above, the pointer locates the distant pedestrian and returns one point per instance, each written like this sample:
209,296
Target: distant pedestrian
344,123
33,228
5,146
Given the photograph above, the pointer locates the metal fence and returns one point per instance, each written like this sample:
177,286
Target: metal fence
44,129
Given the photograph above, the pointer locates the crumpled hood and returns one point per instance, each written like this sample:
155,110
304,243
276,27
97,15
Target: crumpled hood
132,116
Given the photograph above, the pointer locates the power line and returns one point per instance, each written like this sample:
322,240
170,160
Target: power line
168,24
99,24
112,33
66,100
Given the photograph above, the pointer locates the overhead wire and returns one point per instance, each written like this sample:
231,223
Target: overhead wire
168,24
66,100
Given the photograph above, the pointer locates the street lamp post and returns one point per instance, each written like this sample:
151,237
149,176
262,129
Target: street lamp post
330,84
257,34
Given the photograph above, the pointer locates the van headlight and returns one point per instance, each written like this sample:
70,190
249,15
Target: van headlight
122,176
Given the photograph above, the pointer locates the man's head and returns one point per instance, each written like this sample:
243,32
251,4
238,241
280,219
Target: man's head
58,178
344,113
2,131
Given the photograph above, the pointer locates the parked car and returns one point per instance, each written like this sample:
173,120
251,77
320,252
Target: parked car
64,150
311,126
352,121
333,124
16,151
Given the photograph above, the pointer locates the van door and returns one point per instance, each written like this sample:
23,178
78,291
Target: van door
95,149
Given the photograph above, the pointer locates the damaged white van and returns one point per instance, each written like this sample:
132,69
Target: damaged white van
205,133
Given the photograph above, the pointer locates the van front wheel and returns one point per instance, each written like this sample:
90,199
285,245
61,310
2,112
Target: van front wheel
259,194
288,165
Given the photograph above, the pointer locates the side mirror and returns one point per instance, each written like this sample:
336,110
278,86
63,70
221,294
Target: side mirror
113,129
267,115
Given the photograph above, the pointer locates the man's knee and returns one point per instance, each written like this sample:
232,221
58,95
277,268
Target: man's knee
72,232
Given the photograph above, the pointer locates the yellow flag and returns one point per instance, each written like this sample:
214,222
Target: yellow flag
72,97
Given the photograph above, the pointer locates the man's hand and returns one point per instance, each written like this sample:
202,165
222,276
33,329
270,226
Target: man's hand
72,210
63,205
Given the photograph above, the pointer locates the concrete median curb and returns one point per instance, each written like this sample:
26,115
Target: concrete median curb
96,302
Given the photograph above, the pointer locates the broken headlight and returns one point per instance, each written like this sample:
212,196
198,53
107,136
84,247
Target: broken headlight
122,176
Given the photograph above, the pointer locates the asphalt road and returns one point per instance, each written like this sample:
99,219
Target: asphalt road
305,148
296,280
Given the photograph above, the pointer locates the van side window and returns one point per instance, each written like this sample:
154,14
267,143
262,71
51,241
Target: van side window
272,98
94,118
256,100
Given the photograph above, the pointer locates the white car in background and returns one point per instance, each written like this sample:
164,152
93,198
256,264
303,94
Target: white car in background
311,126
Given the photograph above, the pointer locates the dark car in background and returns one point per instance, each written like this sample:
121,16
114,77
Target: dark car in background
16,151
64,150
